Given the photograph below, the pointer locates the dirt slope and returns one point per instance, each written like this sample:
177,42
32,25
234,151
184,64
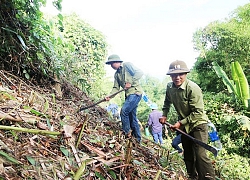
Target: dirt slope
42,137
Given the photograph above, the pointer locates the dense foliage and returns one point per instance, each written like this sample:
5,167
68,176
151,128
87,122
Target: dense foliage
223,42
81,54
47,49
25,39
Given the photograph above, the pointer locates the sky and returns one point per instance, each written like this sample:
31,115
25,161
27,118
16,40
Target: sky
150,33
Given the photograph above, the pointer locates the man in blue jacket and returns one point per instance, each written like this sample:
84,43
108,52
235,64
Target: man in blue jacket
127,76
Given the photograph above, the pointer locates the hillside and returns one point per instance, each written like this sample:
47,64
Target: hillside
43,137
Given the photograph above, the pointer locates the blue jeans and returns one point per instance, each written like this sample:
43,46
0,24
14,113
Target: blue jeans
128,116
175,143
157,137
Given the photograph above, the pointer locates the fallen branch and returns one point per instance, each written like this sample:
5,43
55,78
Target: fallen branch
123,165
75,154
93,149
34,131
154,171
109,162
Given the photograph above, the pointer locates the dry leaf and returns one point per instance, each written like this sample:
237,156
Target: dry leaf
68,131
42,126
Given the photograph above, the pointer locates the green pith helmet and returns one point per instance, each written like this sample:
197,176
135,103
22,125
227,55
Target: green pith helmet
177,67
113,58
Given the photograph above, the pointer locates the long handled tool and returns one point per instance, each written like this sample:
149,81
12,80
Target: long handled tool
102,100
206,146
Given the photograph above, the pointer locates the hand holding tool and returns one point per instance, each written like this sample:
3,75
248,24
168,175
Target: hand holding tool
102,100
202,144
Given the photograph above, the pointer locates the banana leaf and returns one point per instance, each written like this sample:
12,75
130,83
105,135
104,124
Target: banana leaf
221,74
241,83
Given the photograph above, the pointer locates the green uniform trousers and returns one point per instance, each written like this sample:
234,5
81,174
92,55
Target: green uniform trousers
198,164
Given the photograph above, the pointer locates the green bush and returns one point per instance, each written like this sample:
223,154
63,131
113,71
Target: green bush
231,166
231,124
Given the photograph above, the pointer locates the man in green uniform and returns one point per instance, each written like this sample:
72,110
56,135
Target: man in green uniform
127,76
187,98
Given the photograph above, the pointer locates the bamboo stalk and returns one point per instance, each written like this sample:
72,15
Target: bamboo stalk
157,175
128,155
80,135
34,131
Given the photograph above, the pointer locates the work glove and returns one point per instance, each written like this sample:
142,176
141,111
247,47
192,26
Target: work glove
163,119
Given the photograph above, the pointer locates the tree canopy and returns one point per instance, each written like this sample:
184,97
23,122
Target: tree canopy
223,42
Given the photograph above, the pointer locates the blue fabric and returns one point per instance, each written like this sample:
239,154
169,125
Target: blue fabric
175,143
113,108
158,137
128,116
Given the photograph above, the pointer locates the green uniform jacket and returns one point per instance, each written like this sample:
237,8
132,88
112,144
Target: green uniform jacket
128,73
188,102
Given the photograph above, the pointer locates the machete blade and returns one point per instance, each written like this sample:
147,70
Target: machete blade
202,144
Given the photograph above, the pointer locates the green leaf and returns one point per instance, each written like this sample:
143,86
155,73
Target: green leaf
137,162
94,140
22,42
27,76
31,160
220,73
241,82
64,151
8,158
53,98
80,171
111,145
48,123
99,175
244,120
112,173
27,108
60,16
36,112
6,94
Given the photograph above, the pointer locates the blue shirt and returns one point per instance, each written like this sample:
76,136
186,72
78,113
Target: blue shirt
113,108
